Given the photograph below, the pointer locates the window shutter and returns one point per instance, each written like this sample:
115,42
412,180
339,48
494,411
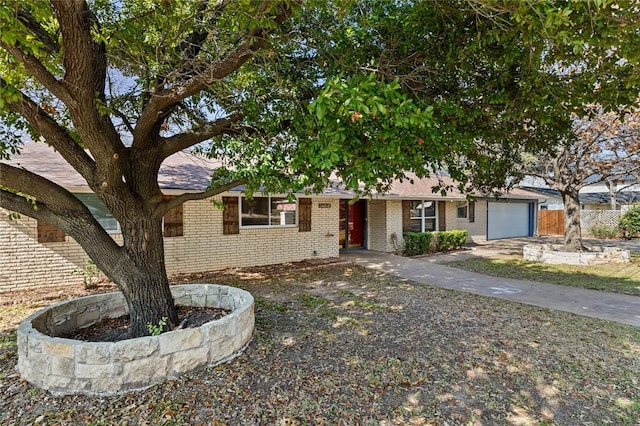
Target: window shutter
442,215
230,216
472,211
173,225
406,215
304,214
49,234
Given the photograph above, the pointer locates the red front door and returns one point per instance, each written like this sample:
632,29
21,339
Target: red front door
352,222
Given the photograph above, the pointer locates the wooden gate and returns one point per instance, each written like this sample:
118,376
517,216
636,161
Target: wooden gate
551,222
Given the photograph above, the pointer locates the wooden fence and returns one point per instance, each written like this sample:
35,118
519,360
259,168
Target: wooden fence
551,222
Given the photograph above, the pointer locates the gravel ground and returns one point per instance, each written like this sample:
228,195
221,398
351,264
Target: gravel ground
339,344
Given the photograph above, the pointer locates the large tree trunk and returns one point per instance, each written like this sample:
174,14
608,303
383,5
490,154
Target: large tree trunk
137,268
572,230
145,285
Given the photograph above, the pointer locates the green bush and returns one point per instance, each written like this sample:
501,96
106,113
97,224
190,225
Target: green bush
605,232
416,243
449,240
630,222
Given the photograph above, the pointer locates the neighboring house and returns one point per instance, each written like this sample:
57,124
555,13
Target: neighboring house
264,230
592,197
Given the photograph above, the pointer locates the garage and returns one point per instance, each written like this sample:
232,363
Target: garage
509,219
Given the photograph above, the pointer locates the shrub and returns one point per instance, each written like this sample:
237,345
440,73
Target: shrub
416,243
630,222
604,231
450,240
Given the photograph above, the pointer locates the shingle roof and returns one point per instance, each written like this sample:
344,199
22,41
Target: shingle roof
187,171
591,197
182,170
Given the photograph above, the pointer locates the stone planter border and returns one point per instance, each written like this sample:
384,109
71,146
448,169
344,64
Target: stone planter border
554,254
66,366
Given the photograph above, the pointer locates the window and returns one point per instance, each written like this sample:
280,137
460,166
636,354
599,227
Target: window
100,212
462,209
49,234
423,216
268,211
172,221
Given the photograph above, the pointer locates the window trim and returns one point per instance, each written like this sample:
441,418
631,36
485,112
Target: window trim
424,218
459,205
242,198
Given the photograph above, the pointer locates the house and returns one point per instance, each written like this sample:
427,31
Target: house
592,197
199,236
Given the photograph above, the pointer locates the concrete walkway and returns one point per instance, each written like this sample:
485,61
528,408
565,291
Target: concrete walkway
590,303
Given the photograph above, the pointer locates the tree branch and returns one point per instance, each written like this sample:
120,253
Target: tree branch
185,140
54,134
191,196
36,210
49,41
35,67
163,100
43,190
85,64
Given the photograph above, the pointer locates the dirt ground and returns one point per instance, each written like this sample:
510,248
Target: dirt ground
338,344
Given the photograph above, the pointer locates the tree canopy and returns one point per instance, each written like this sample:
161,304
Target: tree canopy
287,94
604,147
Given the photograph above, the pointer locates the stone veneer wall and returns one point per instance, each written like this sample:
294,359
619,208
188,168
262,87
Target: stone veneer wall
26,263
554,254
65,366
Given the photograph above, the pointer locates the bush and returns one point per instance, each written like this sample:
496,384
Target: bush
630,222
449,240
416,243
604,232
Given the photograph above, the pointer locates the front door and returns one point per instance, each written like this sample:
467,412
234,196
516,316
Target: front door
352,224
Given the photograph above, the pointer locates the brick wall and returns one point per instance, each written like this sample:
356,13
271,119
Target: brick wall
377,212
477,229
25,263
204,247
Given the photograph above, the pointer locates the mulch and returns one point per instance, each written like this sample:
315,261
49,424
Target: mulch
116,329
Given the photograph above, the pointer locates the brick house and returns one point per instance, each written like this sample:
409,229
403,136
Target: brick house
199,236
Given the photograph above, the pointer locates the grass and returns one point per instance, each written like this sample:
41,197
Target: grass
615,278
392,352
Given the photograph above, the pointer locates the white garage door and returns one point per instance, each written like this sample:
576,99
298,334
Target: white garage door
507,220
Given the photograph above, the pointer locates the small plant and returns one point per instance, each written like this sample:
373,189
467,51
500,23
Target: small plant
311,301
605,232
156,330
90,274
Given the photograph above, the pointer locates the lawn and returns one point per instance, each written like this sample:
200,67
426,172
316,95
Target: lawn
343,345
616,278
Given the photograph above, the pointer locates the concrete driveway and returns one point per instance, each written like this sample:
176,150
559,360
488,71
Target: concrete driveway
432,270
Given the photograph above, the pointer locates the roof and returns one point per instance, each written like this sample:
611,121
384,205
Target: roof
591,197
415,187
188,171
182,170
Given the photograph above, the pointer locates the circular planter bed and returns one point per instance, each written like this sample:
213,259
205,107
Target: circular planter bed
555,254
65,366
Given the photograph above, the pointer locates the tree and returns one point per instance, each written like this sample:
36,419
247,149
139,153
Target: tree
601,148
287,94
